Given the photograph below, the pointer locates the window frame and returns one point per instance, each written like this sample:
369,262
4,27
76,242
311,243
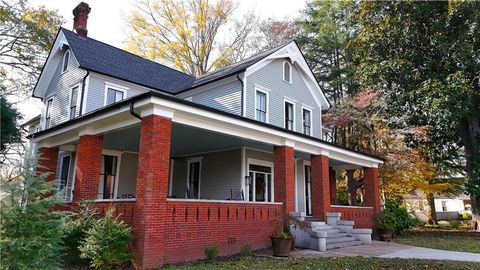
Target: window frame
267,103
286,62
115,87
48,113
305,108
118,154
65,68
69,155
70,102
189,162
293,103
263,163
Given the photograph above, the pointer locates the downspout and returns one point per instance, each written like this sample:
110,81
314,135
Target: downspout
132,112
243,93
83,92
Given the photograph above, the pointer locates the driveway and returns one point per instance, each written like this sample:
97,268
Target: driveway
391,250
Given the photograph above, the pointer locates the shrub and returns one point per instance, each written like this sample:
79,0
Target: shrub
246,251
31,234
211,253
455,225
466,216
106,242
395,217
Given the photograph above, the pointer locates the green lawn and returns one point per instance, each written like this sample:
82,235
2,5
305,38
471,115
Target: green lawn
356,263
455,241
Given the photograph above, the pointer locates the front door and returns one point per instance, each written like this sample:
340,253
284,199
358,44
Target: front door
308,190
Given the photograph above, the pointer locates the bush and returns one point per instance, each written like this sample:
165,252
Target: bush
106,242
455,225
466,216
31,234
246,251
395,217
211,253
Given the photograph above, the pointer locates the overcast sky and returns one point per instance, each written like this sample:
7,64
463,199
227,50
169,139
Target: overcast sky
106,22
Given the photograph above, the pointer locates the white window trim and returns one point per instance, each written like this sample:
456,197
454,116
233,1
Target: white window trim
117,87
283,71
70,100
72,190
45,112
63,60
265,163
193,160
267,103
60,173
291,101
307,163
118,154
311,119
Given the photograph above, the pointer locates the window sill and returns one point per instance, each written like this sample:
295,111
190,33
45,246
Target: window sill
114,200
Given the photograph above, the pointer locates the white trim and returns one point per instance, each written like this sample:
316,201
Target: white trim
219,201
52,98
74,175
311,119
85,95
262,88
115,200
294,125
189,99
307,163
243,172
194,160
290,71
118,154
117,87
170,180
267,103
63,60
296,184
78,85
264,163
68,154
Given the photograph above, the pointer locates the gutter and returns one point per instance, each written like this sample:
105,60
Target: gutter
83,92
243,93
132,111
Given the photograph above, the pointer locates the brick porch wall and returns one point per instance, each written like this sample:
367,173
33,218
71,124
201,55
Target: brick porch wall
361,215
193,225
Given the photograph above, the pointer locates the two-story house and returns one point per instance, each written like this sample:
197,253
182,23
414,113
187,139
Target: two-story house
191,161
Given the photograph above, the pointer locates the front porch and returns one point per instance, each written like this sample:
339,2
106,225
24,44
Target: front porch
179,178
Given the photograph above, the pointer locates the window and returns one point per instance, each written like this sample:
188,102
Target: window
261,106
260,184
307,121
108,177
308,190
289,115
64,172
193,180
48,113
287,72
73,102
66,58
114,95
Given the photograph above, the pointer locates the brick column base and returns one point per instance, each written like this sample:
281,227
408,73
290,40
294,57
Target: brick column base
372,193
87,169
284,174
320,187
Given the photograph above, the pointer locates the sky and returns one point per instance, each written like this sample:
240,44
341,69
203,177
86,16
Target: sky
106,23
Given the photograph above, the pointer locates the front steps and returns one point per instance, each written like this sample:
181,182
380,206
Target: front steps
336,233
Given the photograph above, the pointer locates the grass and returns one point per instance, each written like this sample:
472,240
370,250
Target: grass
337,263
445,240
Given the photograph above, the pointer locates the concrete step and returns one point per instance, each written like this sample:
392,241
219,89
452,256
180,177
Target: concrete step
322,227
336,234
327,230
316,223
331,240
344,244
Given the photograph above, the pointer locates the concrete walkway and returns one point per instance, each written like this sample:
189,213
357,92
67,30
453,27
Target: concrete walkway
391,250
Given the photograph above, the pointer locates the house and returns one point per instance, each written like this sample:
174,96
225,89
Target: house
190,162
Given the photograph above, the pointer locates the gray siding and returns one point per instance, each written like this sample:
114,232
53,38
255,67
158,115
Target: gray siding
128,174
220,172
300,178
60,88
271,78
226,97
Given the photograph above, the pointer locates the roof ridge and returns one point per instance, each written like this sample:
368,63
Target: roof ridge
125,51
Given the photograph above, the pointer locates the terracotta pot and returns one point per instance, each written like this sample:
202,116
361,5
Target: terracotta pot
385,234
281,246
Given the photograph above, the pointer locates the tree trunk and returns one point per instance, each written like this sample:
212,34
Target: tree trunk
431,203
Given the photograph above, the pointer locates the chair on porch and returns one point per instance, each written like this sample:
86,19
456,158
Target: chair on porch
236,195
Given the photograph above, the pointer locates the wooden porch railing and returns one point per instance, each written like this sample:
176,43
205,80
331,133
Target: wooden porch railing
360,214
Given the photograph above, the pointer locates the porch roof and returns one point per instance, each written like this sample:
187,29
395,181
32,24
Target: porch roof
130,104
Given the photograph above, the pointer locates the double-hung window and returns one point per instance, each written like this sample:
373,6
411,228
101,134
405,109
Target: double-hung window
289,115
261,106
114,95
307,121
66,58
48,113
73,102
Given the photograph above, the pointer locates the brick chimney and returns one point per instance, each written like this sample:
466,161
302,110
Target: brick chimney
80,17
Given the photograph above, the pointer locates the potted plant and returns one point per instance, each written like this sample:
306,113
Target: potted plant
282,242
386,226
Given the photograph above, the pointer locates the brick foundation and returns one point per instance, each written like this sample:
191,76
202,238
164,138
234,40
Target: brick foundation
320,186
284,174
87,169
372,193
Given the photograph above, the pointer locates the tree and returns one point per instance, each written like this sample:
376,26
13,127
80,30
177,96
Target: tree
31,232
425,57
273,33
26,35
186,33
10,132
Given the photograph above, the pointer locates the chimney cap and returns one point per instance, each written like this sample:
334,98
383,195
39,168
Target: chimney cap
82,7
80,18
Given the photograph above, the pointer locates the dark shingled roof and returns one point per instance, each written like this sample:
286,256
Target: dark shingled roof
105,59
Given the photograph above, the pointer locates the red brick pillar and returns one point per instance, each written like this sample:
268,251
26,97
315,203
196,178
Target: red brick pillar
47,162
333,186
320,187
372,193
151,192
284,174
87,169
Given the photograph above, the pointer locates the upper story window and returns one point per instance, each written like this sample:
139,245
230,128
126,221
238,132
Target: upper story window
261,106
66,58
114,93
289,115
307,121
48,112
73,102
287,72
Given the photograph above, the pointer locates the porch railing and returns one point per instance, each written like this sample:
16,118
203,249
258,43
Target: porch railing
362,215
